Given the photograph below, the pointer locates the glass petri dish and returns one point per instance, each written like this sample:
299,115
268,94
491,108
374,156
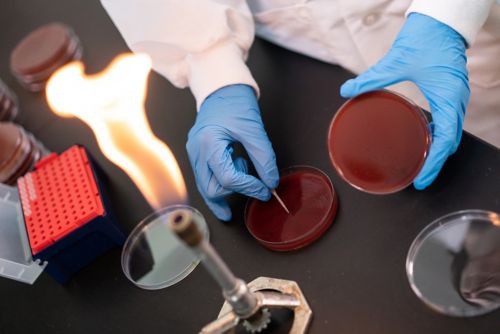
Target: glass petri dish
312,201
153,257
42,52
453,265
378,141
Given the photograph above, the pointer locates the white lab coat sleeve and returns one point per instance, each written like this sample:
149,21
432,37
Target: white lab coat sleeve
202,44
465,16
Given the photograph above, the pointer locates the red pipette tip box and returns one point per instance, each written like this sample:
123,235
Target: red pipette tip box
58,197
65,212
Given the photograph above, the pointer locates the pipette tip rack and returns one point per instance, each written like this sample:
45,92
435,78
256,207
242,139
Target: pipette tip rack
67,215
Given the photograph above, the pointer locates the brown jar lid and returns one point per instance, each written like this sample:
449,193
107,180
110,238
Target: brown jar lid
42,52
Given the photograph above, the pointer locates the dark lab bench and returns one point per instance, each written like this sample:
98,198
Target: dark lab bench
354,276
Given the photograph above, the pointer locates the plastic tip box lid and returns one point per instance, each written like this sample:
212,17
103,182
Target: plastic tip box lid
15,254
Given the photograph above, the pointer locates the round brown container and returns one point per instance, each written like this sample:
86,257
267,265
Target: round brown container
312,201
378,142
8,103
19,152
38,55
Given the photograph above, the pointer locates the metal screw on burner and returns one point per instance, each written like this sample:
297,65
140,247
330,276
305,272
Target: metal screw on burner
250,303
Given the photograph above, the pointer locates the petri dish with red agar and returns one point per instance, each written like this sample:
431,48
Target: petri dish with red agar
312,201
19,152
378,141
8,103
39,54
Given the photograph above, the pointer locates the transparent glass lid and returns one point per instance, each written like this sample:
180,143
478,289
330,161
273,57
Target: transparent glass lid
153,257
454,263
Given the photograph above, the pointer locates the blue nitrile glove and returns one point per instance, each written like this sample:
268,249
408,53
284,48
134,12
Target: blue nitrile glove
431,55
229,115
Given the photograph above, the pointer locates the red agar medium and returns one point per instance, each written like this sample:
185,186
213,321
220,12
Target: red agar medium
19,151
42,52
378,142
309,195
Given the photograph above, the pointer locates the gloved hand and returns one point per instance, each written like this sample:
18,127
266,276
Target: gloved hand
230,114
431,55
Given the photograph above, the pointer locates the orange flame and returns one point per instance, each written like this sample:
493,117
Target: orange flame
111,103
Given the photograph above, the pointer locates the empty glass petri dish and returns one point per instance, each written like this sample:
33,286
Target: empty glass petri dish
39,54
453,265
378,141
153,257
312,201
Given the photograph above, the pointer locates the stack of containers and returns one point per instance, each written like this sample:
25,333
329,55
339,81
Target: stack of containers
19,152
8,103
34,59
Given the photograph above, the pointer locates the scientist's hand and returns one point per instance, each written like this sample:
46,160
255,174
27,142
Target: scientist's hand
431,55
229,115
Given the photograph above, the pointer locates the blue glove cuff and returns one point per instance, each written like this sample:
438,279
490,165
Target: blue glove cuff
416,21
237,90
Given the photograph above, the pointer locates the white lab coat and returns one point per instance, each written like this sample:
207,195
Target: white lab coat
203,44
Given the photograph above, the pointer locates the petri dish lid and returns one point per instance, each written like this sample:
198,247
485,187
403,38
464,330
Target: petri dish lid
312,201
378,142
16,261
453,264
153,257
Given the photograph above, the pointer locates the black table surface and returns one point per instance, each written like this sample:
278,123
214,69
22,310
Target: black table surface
353,277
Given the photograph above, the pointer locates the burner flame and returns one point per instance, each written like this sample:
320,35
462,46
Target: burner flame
111,103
